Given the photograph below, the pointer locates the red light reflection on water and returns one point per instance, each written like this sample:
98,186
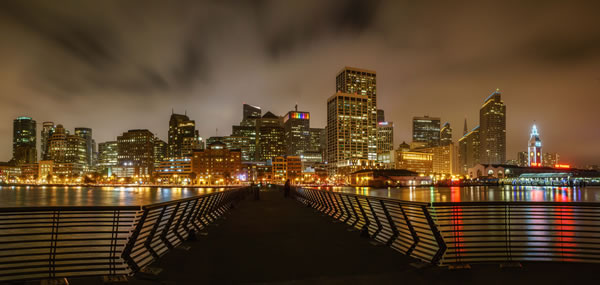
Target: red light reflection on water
457,222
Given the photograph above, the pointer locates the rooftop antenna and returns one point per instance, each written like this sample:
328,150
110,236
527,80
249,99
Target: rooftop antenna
296,107
172,111
185,112
216,132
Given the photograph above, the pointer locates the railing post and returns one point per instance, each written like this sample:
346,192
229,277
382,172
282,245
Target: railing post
348,215
53,244
413,233
438,237
379,226
148,242
176,229
390,220
356,218
126,255
165,231
365,230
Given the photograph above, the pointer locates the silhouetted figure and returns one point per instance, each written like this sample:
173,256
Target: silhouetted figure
286,189
256,190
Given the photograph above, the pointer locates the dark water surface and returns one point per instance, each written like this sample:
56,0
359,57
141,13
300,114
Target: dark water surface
482,193
21,196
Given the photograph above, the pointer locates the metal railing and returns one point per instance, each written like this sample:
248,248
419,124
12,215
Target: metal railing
405,226
56,242
469,232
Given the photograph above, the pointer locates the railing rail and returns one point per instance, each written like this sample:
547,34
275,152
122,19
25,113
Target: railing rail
76,241
469,232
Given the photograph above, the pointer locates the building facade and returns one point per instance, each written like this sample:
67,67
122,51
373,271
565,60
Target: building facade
385,137
136,151
492,130
446,135
24,140
347,132
86,134
351,80
550,159
183,136
416,161
217,165
107,155
468,150
270,137
287,167
296,126
47,131
426,130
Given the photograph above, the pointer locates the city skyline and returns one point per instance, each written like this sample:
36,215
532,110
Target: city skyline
550,63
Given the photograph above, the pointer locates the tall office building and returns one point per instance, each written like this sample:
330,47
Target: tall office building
296,126
183,136
251,112
446,135
270,137
380,116
522,159
136,149
535,148
358,81
550,159
66,148
348,127
107,154
47,131
24,140
160,151
86,134
492,131
77,151
385,137
468,150
426,131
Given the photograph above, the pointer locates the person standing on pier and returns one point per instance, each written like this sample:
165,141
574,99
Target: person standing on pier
286,189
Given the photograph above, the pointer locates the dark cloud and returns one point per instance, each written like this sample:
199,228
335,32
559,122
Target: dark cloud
114,65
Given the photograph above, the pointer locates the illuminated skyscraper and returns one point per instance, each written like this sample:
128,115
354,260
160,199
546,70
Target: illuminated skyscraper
86,134
24,140
534,148
160,151
358,81
550,159
446,135
136,149
347,132
47,131
107,154
297,132
468,150
492,119
270,137
385,137
522,159
183,136
426,130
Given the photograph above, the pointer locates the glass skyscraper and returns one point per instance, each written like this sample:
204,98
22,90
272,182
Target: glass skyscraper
426,131
492,120
24,140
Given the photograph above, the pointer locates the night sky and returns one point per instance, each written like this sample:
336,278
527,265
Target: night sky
119,65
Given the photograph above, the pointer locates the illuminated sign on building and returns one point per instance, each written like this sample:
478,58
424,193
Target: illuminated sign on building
562,166
299,115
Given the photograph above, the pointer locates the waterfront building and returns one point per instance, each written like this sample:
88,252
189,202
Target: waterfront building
183,136
417,161
468,150
380,116
136,151
446,135
160,151
534,148
270,137
29,172
522,159
45,171
9,172
47,131
388,177
357,81
287,167
175,170
492,130
65,172
24,140
296,126
550,159
107,155
385,137
217,165
348,132
426,130
86,134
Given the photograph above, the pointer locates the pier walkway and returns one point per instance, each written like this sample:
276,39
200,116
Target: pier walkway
280,241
